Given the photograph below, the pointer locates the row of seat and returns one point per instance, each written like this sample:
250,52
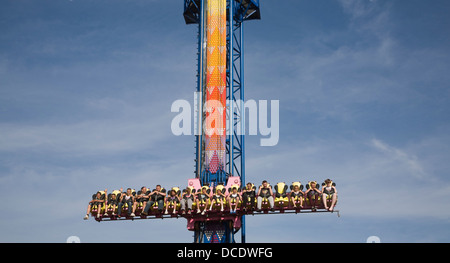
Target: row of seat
248,208
281,198
280,190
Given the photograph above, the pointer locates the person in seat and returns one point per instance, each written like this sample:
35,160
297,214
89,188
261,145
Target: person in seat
142,197
172,200
202,199
329,192
98,200
234,198
296,196
156,196
187,200
265,192
129,199
113,201
248,196
218,197
313,194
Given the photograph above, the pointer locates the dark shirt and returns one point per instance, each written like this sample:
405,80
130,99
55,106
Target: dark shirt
265,192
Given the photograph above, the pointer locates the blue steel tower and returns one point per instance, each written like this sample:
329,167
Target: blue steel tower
238,11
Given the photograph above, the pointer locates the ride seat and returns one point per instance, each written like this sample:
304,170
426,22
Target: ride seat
281,199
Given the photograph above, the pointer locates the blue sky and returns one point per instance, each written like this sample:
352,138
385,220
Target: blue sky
86,89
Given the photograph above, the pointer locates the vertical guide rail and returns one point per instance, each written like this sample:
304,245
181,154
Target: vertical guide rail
200,92
230,90
230,96
236,111
242,123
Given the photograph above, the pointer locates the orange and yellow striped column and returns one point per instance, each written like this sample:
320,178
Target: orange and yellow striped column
215,105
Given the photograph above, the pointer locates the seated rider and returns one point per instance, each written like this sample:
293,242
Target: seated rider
127,198
313,194
187,200
248,193
218,196
113,201
143,196
97,200
329,190
156,196
172,198
265,191
297,193
202,196
236,196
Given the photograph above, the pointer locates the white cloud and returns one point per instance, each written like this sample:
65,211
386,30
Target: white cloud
397,155
87,137
358,8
